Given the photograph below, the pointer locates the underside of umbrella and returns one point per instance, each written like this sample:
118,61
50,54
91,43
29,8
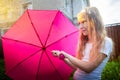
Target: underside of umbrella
28,44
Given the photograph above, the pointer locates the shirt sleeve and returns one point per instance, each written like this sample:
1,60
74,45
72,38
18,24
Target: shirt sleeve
107,47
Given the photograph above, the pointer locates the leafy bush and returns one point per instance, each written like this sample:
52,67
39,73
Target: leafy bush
111,71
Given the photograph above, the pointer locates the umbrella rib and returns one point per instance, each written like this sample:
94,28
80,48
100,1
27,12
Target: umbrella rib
23,61
54,66
39,65
20,41
62,38
50,29
34,28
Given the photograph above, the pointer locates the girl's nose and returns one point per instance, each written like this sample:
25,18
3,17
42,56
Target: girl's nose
82,26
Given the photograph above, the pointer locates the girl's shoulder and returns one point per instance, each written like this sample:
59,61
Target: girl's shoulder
108,40
107,46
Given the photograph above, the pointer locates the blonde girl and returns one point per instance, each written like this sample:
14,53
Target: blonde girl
94,47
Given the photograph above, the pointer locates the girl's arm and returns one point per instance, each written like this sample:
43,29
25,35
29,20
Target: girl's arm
56,53
69,63
83,65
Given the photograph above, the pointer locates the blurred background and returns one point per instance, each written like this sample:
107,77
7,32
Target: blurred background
11,11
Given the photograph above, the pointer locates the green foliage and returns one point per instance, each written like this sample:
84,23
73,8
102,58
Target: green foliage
111,71
118,58
71,76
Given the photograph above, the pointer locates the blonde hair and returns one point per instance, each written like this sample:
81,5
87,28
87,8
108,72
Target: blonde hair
96,31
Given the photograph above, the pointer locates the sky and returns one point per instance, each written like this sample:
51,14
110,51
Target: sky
109,10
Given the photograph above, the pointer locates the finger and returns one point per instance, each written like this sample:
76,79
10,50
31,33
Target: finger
55,52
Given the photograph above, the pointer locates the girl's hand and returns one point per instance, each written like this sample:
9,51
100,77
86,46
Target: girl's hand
56,53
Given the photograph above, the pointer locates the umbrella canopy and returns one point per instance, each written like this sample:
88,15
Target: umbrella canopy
28,44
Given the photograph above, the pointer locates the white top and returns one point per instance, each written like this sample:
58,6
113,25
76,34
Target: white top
96,73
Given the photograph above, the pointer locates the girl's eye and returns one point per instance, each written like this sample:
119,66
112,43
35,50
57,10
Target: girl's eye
83,21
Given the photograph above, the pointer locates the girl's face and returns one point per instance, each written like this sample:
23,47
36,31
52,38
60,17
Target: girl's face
83,25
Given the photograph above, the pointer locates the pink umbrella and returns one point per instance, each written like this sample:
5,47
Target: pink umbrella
28,44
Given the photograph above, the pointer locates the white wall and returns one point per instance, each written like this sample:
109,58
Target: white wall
48,4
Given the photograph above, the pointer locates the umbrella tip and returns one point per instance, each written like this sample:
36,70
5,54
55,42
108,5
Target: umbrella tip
44,48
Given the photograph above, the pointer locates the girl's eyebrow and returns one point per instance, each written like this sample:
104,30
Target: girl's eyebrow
82,21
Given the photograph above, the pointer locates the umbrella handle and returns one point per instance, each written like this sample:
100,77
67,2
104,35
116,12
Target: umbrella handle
61,56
